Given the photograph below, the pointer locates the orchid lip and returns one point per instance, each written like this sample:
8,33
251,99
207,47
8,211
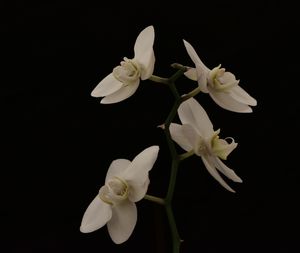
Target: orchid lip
127,72
217,84
114,191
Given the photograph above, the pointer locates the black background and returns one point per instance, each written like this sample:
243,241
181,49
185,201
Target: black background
57,141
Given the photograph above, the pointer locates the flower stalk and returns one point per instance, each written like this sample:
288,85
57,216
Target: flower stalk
167,201
155,199
158,79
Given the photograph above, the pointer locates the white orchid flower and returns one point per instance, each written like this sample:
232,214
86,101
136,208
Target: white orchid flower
197,134
126,183
125,79
221,85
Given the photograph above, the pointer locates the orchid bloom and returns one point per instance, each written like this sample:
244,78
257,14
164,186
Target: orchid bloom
221,85
197,134
126,183
125,79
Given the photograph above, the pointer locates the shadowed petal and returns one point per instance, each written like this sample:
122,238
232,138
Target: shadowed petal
212,170
191,134
137,172
147,64
143,52
226,170
202,78
239,94
116,168
144,43
139,191
107,86
179,137
191,73
121,94
122,223
191,112
196,74
194,56
96,216
225,101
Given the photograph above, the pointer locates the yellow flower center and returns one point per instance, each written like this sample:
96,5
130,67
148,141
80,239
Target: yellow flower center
220,80
114,191
128,72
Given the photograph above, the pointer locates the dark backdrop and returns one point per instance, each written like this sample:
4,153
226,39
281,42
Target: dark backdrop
57,141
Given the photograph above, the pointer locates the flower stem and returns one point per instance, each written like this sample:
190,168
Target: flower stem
167,201
192,93
179,66
185,155
178,74
175,163
155,199
158,79
175,236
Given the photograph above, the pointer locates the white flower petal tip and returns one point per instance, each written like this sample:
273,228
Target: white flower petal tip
143,52
125,78
123,222
144,42
191,52
120,95
126,182
96,216
107,86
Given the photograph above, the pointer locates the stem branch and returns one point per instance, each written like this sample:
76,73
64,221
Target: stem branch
155,199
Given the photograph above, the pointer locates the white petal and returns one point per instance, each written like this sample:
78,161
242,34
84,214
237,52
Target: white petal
226,170
121,94
122,223
191,112
191,73
107,86
139,190
179,137
227,77
137,172
202,78
147,64
227,102
116,168
194,56
96,216
190,134
239,94
143,52
144,43
211,169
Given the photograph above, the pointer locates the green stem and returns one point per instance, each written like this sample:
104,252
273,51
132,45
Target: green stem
175,163
155,199
185,155
175,236
158,79
179,66
193,93
167,202
178,74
